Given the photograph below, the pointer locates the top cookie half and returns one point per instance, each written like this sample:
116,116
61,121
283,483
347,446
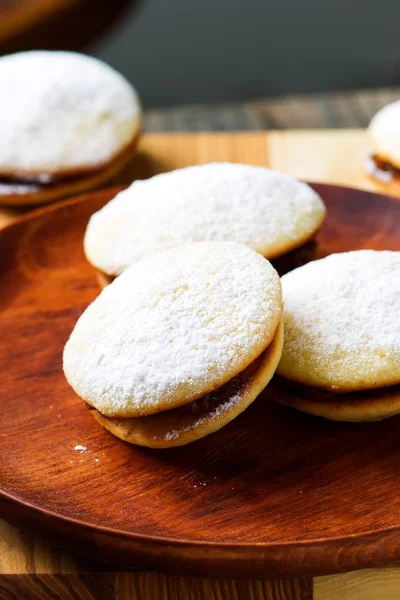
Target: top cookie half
342,322
173,328
268,211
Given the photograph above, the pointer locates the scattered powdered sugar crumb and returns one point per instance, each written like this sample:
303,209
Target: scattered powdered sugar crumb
172,326
218,201
80,448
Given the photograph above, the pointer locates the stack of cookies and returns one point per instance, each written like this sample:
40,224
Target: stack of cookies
188,329
190,332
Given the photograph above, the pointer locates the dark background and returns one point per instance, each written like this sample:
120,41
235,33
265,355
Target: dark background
184,51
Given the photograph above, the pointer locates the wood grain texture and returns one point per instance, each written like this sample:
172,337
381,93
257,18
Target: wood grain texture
148,586
368,584
327,110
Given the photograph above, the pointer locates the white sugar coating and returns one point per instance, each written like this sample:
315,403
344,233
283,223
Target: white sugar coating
214,413
342,321
62,111
173,327
384,131
266,210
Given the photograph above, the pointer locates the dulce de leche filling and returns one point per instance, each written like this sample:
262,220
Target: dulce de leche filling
23,186
381,169
40,181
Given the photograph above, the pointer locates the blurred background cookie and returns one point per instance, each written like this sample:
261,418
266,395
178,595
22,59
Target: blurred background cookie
270,212
172,329
383,165
69,123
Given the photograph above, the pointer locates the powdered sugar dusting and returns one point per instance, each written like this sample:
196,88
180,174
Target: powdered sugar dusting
266,210
172,327
62,110
212,413
342,320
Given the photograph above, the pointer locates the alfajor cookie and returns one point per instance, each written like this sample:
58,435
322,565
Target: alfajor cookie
342,335
69,123
383,165
198,327
268,211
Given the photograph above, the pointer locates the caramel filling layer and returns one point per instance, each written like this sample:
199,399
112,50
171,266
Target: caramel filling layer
22,183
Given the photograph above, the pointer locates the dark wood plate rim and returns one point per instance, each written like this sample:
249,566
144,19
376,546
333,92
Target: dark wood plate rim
189,542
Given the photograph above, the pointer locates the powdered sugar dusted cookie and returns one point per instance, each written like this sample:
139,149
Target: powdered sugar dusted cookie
203,416
342,322
67,122
173,328
270,212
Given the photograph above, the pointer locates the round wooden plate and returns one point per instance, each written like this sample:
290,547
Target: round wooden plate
276,492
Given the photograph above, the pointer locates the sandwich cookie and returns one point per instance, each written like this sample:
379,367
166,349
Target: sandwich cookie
268,211
180,344
68,124
342,336
383,165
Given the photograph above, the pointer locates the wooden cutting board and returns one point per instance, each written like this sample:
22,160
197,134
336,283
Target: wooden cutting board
30,568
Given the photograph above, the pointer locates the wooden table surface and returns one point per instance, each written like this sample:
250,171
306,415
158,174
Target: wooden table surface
327,110
30,568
